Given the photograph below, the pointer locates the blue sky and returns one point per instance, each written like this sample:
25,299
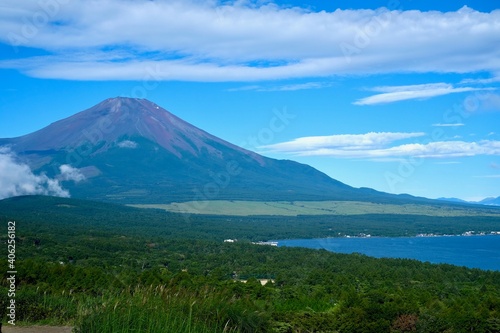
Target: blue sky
400,96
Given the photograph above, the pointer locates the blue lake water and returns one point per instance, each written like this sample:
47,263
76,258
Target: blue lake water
471,251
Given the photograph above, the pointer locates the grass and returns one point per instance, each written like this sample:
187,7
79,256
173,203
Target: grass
295,208
163,309
157,308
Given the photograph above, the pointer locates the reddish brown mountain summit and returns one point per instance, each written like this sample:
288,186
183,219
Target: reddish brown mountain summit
118,118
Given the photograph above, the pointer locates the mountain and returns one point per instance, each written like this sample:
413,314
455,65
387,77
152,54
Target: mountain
133,151
487,201
490,201
453,200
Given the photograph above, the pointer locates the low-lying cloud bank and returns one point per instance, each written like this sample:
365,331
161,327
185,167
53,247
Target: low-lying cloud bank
16,178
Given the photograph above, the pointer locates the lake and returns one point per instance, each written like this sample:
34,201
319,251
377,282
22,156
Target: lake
471,251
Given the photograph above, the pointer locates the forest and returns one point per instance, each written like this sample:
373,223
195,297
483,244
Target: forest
109,268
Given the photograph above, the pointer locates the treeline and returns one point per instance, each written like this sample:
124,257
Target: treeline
73,214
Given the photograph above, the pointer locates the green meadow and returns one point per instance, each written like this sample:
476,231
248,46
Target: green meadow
295,208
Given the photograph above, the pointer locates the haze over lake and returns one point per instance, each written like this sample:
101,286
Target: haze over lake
471,251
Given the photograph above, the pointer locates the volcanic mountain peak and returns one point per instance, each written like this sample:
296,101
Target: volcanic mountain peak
136,110
122,119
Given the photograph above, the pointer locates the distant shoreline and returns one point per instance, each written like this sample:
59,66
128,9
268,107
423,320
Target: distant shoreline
459,250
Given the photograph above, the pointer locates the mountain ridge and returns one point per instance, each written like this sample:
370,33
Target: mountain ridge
491,201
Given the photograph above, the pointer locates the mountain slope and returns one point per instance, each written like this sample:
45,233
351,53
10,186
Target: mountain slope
134,151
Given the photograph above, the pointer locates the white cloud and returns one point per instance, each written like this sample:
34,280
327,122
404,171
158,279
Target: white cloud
70,173
127,144
246,88
300,86
442,149
448,162
448,125
286,87
400,93
378,146
494,79
242,41
18,179
348,142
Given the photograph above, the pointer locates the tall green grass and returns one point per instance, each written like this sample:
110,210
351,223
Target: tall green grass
151,309
162,309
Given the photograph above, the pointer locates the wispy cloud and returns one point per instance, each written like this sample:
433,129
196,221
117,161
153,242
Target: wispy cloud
448,162
379,146
301,86
320,145
392,94
481,81
246,88
286,87
245,41
448,125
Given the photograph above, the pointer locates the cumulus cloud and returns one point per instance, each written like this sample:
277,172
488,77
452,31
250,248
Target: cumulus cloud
67,172
18,179
242,40
127,144
379,146
391,94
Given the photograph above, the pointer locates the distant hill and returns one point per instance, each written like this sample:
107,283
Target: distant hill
453,200
44,214
486,201
133,151
490,201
